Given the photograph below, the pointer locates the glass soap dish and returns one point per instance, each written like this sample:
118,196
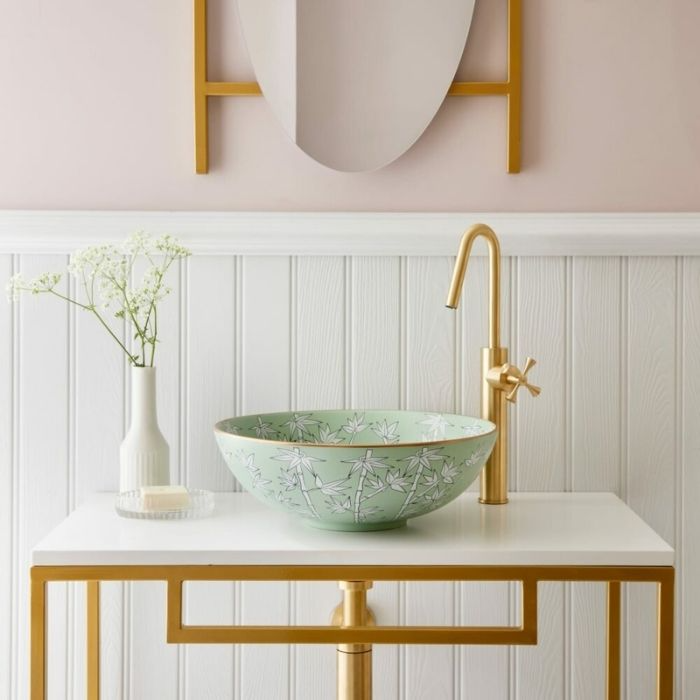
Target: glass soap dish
129,504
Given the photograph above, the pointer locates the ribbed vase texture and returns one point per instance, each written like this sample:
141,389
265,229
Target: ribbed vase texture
144,456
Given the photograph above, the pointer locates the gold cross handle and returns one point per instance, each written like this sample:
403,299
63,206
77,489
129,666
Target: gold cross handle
510,378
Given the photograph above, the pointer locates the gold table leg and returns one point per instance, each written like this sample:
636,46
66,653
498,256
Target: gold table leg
613,641
664,674
37,681
93,640
353,621
354,660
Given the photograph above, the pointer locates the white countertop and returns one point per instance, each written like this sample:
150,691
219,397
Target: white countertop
534,528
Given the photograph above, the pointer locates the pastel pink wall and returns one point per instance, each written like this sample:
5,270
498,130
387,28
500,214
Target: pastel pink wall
96,112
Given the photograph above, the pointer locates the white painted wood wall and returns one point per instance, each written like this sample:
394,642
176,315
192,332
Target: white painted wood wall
617,338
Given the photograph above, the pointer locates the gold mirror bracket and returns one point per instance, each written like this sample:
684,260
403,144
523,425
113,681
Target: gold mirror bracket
511,88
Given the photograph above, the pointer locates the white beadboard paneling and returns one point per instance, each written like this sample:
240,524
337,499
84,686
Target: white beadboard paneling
617,341
211,347
689,485
210,365
541,443
267,379
375,337
430,385
651,441
99,429
7,479
152,667
482,670
43,486
541,450
319,352
374,379
594,401
319,372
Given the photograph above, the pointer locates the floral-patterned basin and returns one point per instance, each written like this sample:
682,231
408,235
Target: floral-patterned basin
356,470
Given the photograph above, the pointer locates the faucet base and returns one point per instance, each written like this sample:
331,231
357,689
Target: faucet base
492,503
494,477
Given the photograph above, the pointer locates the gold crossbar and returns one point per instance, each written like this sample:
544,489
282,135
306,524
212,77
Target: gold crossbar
320,572
510,88
178,633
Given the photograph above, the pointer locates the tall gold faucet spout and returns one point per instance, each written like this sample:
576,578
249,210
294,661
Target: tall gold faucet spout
465,248
500,380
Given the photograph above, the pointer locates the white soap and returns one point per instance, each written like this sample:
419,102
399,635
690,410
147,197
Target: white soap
164,497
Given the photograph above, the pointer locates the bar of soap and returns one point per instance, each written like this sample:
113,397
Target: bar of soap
164,498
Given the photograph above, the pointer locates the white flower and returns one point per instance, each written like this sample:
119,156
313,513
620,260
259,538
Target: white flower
105,275
46,282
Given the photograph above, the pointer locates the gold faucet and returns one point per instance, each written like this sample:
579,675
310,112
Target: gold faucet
500,380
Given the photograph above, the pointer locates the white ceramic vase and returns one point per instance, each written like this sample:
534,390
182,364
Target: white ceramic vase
144,455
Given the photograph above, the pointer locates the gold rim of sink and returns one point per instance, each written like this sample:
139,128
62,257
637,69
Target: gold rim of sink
446,441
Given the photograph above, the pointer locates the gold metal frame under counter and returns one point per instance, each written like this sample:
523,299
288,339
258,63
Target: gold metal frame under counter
511,87
525,633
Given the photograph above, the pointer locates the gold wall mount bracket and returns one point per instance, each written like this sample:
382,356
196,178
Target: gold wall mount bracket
510,88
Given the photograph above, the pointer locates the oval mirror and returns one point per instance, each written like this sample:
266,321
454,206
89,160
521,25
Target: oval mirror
355,82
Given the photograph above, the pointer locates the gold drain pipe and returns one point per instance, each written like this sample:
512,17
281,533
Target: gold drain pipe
354,660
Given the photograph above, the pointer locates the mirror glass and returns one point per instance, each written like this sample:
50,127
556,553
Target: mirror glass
355,83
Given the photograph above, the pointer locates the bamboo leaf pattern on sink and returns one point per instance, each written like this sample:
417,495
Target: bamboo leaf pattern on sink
350,470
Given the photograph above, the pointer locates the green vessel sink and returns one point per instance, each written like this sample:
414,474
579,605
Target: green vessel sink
356,470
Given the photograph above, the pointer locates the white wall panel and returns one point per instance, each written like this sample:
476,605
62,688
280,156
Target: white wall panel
540,450
651,440
482,671
617,342
153,665
594,398
43,485
321,301
209,366
7,479
431,366
268,288
98,416
688,487
375,363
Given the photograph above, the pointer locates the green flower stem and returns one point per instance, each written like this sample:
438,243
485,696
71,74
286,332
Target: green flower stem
155,332
99,318
127,306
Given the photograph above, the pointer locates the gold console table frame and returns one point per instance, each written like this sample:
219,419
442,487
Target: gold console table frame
511,88
354,634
